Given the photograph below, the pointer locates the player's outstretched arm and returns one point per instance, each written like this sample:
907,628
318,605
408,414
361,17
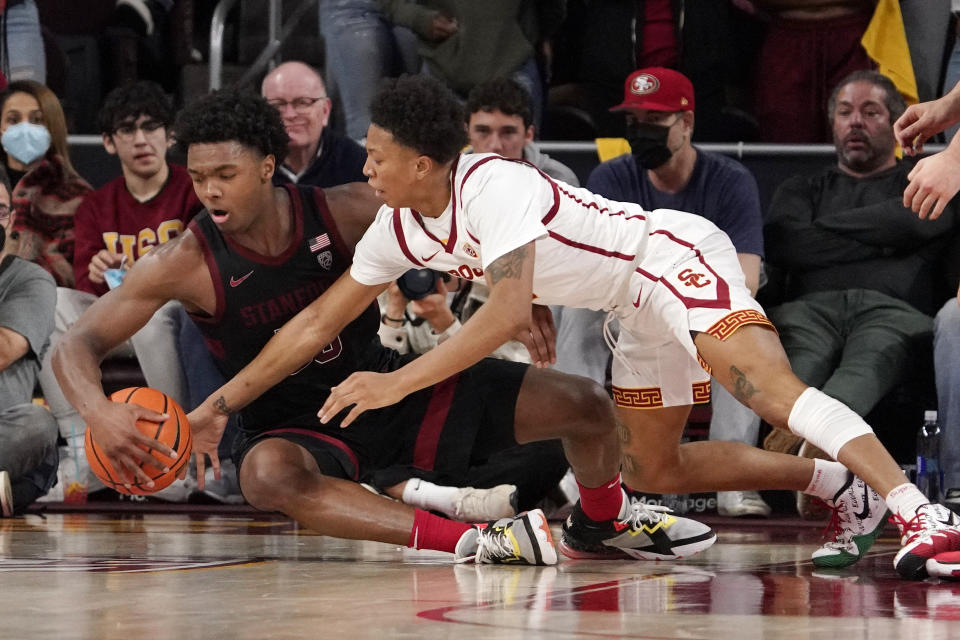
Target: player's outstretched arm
110,321
296,343
505,313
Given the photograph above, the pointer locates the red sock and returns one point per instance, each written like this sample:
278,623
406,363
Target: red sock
603,502
433,532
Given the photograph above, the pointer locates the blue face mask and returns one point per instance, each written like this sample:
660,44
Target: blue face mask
26,141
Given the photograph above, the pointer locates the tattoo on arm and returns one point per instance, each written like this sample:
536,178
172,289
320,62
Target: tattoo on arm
628,464
509,265
743,389
623,433
221,405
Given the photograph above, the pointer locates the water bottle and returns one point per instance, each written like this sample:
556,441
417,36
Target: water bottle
929,475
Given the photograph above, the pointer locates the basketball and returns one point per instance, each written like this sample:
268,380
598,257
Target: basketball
173,432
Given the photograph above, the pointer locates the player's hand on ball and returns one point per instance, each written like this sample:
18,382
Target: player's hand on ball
113,426
208,425
363,389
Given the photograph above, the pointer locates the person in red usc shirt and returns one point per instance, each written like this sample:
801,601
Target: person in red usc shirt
116,225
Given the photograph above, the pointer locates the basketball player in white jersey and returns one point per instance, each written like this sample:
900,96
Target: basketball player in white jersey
671,278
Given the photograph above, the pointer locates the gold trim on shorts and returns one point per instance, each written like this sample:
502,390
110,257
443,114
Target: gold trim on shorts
652,397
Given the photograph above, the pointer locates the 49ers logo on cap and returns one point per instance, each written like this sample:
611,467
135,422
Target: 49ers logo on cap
644,83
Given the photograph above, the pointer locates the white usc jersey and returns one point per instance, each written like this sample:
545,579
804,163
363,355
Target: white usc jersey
587,247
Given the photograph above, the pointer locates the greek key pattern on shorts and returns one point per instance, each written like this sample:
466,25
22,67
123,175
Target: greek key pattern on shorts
648,398
733,321
701,392
652,398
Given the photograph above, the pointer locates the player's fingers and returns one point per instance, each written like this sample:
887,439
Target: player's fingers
918,198
154,445
540,346
910,192
201,467
215,463
353,415
938,208
138,474
147,414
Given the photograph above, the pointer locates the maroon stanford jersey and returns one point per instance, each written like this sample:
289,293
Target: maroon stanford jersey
257,294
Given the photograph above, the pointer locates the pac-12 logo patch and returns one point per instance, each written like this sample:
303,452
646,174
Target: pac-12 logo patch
325,260
469,250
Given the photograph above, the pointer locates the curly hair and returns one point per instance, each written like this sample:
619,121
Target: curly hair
129,102
501,94
422,114
229,115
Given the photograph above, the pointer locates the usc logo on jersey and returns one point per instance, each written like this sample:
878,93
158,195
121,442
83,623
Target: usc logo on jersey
692,279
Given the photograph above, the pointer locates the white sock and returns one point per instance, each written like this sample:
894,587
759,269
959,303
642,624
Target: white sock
905,499
828,478
426,495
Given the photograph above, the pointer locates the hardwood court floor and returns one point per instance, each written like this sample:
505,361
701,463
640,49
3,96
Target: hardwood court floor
221,575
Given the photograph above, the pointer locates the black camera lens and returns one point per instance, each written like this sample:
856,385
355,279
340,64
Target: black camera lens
416,284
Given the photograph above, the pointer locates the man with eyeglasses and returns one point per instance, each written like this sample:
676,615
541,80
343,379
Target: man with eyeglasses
116,225
317,155
28,433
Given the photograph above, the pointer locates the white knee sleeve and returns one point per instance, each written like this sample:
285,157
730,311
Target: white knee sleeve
825,422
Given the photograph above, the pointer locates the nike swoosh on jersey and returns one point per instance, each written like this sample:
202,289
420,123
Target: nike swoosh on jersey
236,282
432,256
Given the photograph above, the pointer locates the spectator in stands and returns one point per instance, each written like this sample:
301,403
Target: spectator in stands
117,225
28,433
807,49
317,155
465,43
500,120
665,171
361,47
21,55
861,270
47,190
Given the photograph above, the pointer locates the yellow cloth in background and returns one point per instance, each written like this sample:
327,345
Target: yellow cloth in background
610,148
885,40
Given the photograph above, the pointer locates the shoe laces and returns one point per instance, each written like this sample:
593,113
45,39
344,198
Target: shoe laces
493,543
641,513
837,526
923,522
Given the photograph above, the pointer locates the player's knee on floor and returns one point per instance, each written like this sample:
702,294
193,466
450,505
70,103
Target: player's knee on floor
271,477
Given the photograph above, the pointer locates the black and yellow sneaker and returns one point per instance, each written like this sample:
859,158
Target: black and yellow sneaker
648,532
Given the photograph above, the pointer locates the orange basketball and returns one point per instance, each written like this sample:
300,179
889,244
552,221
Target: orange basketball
173,432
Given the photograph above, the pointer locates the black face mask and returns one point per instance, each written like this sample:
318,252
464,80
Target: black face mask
648,142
